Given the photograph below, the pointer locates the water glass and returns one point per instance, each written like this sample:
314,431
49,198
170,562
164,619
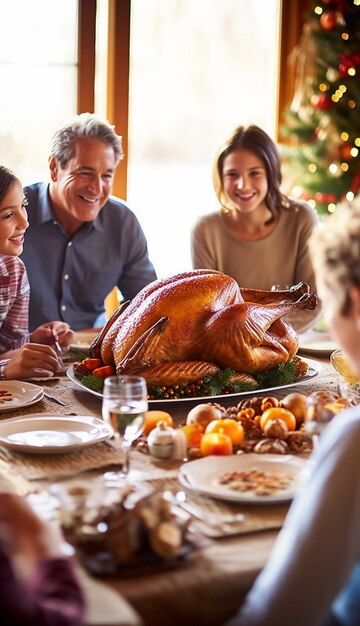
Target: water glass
125,402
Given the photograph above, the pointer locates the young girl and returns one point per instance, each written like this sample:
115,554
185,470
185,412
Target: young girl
22,354
259,236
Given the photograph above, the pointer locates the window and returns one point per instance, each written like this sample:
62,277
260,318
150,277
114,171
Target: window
38,74
197,70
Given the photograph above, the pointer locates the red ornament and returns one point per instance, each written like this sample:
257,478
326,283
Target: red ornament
321,101
345,151
355,185
328,20
343,69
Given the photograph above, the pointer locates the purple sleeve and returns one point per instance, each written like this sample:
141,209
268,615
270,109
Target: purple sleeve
52,598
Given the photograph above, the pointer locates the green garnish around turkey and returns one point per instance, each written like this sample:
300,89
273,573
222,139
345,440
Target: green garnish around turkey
227,381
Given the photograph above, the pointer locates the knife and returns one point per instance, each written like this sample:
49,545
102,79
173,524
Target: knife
54,399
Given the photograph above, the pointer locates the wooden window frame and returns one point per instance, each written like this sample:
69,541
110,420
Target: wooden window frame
293,14
292,18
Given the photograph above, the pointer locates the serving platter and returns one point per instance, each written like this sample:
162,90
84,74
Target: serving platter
15,394
314,370
46,434
202,476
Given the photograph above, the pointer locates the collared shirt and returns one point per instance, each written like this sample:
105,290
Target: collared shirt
14,304
315,561
71,277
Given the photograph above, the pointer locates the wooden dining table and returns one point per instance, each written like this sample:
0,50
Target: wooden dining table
209,585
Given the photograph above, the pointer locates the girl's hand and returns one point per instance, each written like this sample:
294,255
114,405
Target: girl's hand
60,331
32,359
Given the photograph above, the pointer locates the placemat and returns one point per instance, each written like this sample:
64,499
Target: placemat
256,518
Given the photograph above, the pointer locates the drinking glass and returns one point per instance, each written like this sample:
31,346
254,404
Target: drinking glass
123,408
349,381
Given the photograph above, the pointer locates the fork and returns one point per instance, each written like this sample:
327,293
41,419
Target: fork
224,522
58,350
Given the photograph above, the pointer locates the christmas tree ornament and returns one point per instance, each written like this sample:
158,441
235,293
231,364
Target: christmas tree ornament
323,127
321,101
345,151
329,20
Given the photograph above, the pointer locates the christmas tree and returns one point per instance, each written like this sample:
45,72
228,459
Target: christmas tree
322,125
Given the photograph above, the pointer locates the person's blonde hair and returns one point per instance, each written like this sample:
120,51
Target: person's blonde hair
335,252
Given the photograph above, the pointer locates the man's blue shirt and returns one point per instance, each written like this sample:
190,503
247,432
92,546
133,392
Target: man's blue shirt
71,277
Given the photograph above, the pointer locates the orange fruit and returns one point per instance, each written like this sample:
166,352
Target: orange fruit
216,443
278,413
152,418
231,428
193,434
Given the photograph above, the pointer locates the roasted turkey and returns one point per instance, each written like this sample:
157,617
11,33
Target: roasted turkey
192,324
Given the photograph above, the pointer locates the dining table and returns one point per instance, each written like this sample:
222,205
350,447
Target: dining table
208,585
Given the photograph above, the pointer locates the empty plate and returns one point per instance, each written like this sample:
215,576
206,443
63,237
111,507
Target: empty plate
52,435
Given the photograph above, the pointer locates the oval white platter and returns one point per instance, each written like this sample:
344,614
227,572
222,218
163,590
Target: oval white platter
202,476
315,368
46,434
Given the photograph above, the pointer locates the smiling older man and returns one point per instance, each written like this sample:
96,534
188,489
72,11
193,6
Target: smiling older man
81,242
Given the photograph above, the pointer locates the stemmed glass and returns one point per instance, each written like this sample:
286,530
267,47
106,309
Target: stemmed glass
125,401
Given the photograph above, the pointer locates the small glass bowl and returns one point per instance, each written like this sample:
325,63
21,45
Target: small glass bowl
349,382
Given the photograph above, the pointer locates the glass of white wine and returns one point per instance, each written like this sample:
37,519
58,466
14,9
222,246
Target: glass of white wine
125,402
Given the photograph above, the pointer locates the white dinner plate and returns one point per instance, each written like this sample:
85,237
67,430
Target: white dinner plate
315,368
20,394
82,340
46,434
202,476
317,347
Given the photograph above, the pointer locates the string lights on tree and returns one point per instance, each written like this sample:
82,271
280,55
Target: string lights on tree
323,122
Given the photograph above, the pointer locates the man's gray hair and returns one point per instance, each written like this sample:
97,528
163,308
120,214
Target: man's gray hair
85,125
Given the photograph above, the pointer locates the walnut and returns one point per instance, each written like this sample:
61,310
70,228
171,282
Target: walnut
222,410
271,446
248,445
323,396
298,441
276,429
252,403
232,411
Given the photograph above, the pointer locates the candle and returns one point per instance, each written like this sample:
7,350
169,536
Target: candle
216,443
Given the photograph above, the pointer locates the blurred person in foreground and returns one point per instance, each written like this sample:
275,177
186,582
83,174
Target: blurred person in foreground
38,581
258,235
22,354
313,575
81,242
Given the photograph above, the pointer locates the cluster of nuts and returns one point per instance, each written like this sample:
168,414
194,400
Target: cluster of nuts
270,425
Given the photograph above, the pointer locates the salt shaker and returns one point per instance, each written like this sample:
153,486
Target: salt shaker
161,441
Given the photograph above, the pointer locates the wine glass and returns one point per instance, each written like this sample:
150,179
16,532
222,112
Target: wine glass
123,408
349,381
